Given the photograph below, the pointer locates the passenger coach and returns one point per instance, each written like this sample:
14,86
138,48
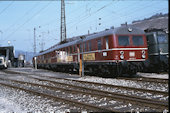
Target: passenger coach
114,51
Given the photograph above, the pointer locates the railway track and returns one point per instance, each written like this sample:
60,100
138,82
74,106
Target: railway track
161,105
95,84
99,84
111,86
145,79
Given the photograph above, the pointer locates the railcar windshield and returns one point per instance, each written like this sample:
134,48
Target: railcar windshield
162,38
123,40
138,40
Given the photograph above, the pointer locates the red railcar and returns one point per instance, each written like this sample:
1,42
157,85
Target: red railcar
115,51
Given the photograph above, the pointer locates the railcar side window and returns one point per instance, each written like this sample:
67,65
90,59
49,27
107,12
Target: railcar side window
162,39
89,46
74,49
107,43
66,51
85,46
80,48
70,49
138,40
99,44
123,40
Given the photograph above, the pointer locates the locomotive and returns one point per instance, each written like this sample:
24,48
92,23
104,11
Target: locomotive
158,54
114,51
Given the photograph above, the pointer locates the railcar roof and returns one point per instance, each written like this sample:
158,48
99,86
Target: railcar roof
119,30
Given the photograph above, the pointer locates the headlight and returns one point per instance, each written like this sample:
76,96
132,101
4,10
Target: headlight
143,51
121,56
143,56
121,52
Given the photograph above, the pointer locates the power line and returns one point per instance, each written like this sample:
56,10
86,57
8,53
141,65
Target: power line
69,15
93,13
9,36
128,15
134,12
6,7
22,16
79,16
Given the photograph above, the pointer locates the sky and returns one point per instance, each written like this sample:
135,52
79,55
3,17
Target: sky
19,18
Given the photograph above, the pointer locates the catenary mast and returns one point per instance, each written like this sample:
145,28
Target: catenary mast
63,22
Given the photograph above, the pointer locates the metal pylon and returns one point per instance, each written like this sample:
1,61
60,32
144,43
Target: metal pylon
63,22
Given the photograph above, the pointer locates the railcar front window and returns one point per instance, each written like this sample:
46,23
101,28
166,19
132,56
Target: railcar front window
123,40
0,61
138,40
162,39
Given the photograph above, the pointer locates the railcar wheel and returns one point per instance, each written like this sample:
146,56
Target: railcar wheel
119,70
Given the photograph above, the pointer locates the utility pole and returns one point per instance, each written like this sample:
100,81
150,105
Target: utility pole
63,22
42,41
34,41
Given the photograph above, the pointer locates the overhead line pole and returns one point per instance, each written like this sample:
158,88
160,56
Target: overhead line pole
63,22
34,41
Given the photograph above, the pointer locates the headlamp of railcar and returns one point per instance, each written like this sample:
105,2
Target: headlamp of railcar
143,51
121,52
130,29
143,56
122,56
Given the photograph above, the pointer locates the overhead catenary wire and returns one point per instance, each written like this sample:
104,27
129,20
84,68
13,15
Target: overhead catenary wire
6,7
116,18
25,14
92,14
9,36
69,15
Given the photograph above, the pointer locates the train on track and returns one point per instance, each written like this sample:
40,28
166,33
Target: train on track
158,54
3,62
113,51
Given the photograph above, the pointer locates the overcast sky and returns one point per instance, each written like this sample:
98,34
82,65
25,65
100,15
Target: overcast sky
18,19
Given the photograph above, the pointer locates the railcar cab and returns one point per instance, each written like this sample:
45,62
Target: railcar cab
157,40
130,48
131,44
